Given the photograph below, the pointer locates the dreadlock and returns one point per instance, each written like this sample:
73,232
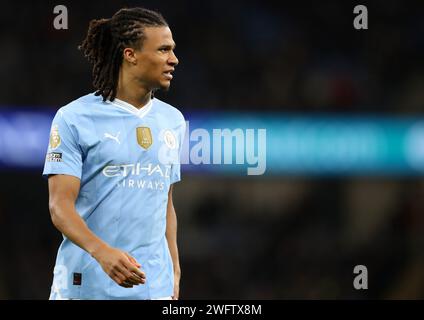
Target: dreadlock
106,40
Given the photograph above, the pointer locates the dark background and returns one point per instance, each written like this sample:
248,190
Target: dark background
274,237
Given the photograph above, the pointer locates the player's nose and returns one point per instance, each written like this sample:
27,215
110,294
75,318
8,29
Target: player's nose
173,60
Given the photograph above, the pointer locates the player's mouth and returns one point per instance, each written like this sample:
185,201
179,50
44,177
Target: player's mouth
168,74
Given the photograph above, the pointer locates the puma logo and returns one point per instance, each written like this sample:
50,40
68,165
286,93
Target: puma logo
116,138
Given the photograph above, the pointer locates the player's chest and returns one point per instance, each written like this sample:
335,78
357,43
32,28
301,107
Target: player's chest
121,142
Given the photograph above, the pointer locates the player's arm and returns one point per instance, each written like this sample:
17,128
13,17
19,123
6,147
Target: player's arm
120,266
171,237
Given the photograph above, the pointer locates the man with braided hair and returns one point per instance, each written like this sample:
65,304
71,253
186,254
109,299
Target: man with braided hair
111,163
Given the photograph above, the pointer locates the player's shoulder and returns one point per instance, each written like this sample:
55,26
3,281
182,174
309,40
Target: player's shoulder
169,110
80,107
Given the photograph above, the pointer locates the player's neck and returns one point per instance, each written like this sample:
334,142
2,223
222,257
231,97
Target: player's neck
137,100
132,93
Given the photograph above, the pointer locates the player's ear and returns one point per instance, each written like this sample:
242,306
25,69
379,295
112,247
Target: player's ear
129,55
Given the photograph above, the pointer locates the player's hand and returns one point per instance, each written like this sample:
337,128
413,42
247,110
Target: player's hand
120,266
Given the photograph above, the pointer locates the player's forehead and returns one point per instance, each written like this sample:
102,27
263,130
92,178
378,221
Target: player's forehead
158,36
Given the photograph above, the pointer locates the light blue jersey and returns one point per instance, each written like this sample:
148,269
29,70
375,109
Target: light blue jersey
126,159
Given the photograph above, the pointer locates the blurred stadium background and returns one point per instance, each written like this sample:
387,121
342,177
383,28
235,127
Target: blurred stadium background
343,111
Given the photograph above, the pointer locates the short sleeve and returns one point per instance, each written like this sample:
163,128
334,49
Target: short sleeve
64,155
176,167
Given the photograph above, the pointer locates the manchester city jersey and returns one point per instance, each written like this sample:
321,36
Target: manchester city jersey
126,159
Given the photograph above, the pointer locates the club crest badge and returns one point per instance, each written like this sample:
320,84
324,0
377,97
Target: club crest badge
169,139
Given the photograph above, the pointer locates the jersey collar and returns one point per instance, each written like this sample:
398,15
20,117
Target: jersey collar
130,108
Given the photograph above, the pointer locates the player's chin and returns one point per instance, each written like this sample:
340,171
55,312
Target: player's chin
165,85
